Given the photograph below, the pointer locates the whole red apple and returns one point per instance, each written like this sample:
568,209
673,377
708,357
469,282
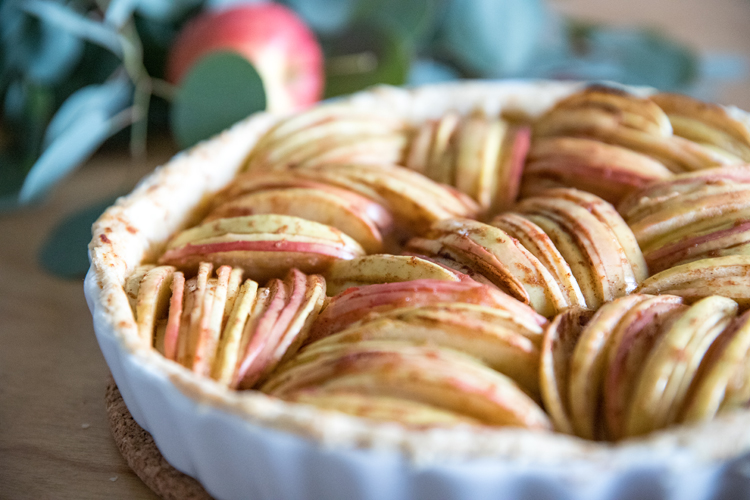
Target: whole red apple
279,44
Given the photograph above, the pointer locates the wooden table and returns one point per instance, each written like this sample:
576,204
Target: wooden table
54,437
55,441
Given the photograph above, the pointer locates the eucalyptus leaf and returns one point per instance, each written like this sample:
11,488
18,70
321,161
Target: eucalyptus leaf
493,38
64,252
219,90
365,55
110,97
74,23
416,20
65,153
424,71
42,52
325,16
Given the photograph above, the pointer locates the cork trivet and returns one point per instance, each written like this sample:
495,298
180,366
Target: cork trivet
140,452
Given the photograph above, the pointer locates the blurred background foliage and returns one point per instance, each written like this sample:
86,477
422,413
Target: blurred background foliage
73,74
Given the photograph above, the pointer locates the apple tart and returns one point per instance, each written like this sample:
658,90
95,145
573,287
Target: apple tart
505,282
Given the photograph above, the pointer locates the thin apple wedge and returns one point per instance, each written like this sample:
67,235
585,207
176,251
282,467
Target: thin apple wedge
725,361
376,149
608,215
608,262
503,260
608,170
500,348
631,344
536,241
195,291
418,154
507,180
211,323
706,123
263,245
560,338
442,158
133,283
309,134
414,200
382,268
440,377
446,257
478,146
346,214
587,364
726,276
665,378
152,302
597,108
359,302
172,330
282,328
380,408
228,351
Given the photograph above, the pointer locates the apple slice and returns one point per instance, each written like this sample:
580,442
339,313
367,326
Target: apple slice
380,408
172,331
477,153
356,303
598,106
587,364
706,123
499,348
441,165
282,328
211,323
152,302
725,361
608,170
377,149
233,289
725,276
310,204
573,255
440,377
227,353
305,145
631,344
613,276
536,241
608,215
560,338
133,283
311,125
446,257
662,386
504,260
418,155
382,268
195,290
263,245
507,182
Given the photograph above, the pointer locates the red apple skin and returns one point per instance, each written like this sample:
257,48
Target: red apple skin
279,44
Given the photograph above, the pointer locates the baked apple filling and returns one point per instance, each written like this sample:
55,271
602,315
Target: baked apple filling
584,271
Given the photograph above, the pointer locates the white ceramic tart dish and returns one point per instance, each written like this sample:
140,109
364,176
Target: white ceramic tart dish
246,444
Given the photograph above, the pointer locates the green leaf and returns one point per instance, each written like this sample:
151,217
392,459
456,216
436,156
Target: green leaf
218,91
110,97
65,153
415,20
493,38
365,55
64,251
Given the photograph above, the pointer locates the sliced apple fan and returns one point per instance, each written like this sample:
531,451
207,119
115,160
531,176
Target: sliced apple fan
557,311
